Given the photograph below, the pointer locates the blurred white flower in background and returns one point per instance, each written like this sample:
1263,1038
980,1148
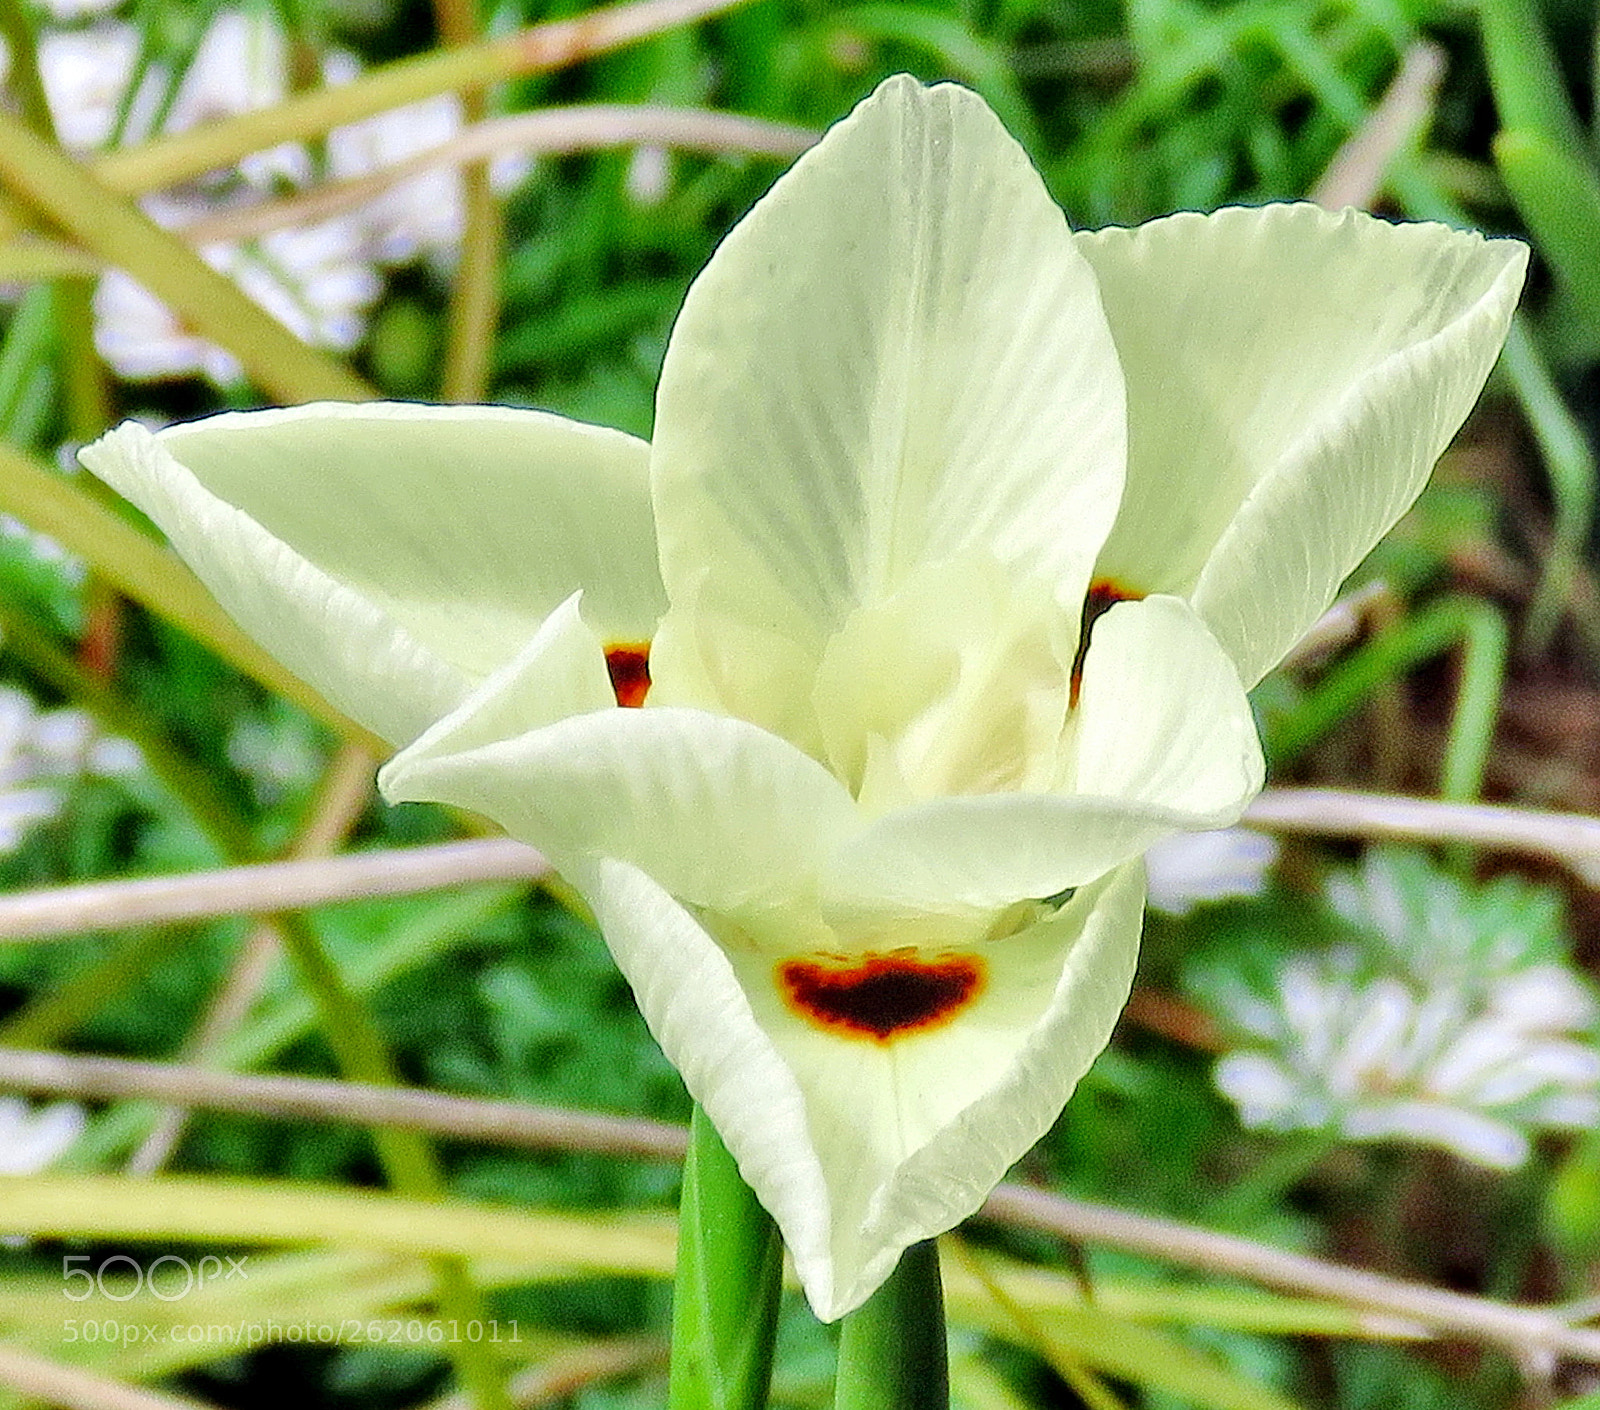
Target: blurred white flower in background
1456,1022
315,279
33,1138
64,11
1189,868
85,72
421,215
41,753
321,280
43,548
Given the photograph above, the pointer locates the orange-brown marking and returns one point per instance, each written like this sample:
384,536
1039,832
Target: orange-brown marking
628,663
881,997
1104,594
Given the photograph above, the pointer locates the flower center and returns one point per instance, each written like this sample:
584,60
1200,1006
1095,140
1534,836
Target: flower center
628,664
881,997
1103,595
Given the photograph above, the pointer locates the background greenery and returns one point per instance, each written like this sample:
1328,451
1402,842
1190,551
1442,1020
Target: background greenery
1475,671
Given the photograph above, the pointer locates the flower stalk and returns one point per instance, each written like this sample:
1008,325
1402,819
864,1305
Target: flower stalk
729,1278
892,1353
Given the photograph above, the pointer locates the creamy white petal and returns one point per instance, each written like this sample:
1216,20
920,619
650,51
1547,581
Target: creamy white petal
720,813
860,1148
363,660
1162,718
896,357
1292,377
426,544
560,672
1165,743
468,523
958,683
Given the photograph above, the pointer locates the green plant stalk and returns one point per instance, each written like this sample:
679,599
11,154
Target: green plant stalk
408,1158
152,576
24,351
1570,467
83,377
30,258
892,1350
475,293
119,232
1473,625
166,161
288,1016
1529,91
1284,1167
728,1281
1557,192
190,785
54,1015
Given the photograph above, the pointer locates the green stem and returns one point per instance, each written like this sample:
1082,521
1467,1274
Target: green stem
407,1157
892,1352
191,785
1570,468
1473,625
114,228
52,1016
730,1275
83,376
179,157
475,294
1273,1177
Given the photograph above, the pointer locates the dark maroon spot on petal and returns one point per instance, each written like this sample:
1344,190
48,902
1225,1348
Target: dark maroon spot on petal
629,665
1104,594
881,997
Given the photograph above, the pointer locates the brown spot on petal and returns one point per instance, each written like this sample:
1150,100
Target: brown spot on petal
629,665
881,997
1104,594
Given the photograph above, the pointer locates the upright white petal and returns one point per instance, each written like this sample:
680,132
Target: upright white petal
1292,377
896,357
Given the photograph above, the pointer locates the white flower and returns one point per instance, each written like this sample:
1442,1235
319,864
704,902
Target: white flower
1372,1058
870,859
85,73
1190,867
41,751
316,280
1463,1026
32,1140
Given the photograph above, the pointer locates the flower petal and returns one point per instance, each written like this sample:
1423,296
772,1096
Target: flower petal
896,357
1162,717
394,555
357,655
1292,377
719,812
860,1149
1165,742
